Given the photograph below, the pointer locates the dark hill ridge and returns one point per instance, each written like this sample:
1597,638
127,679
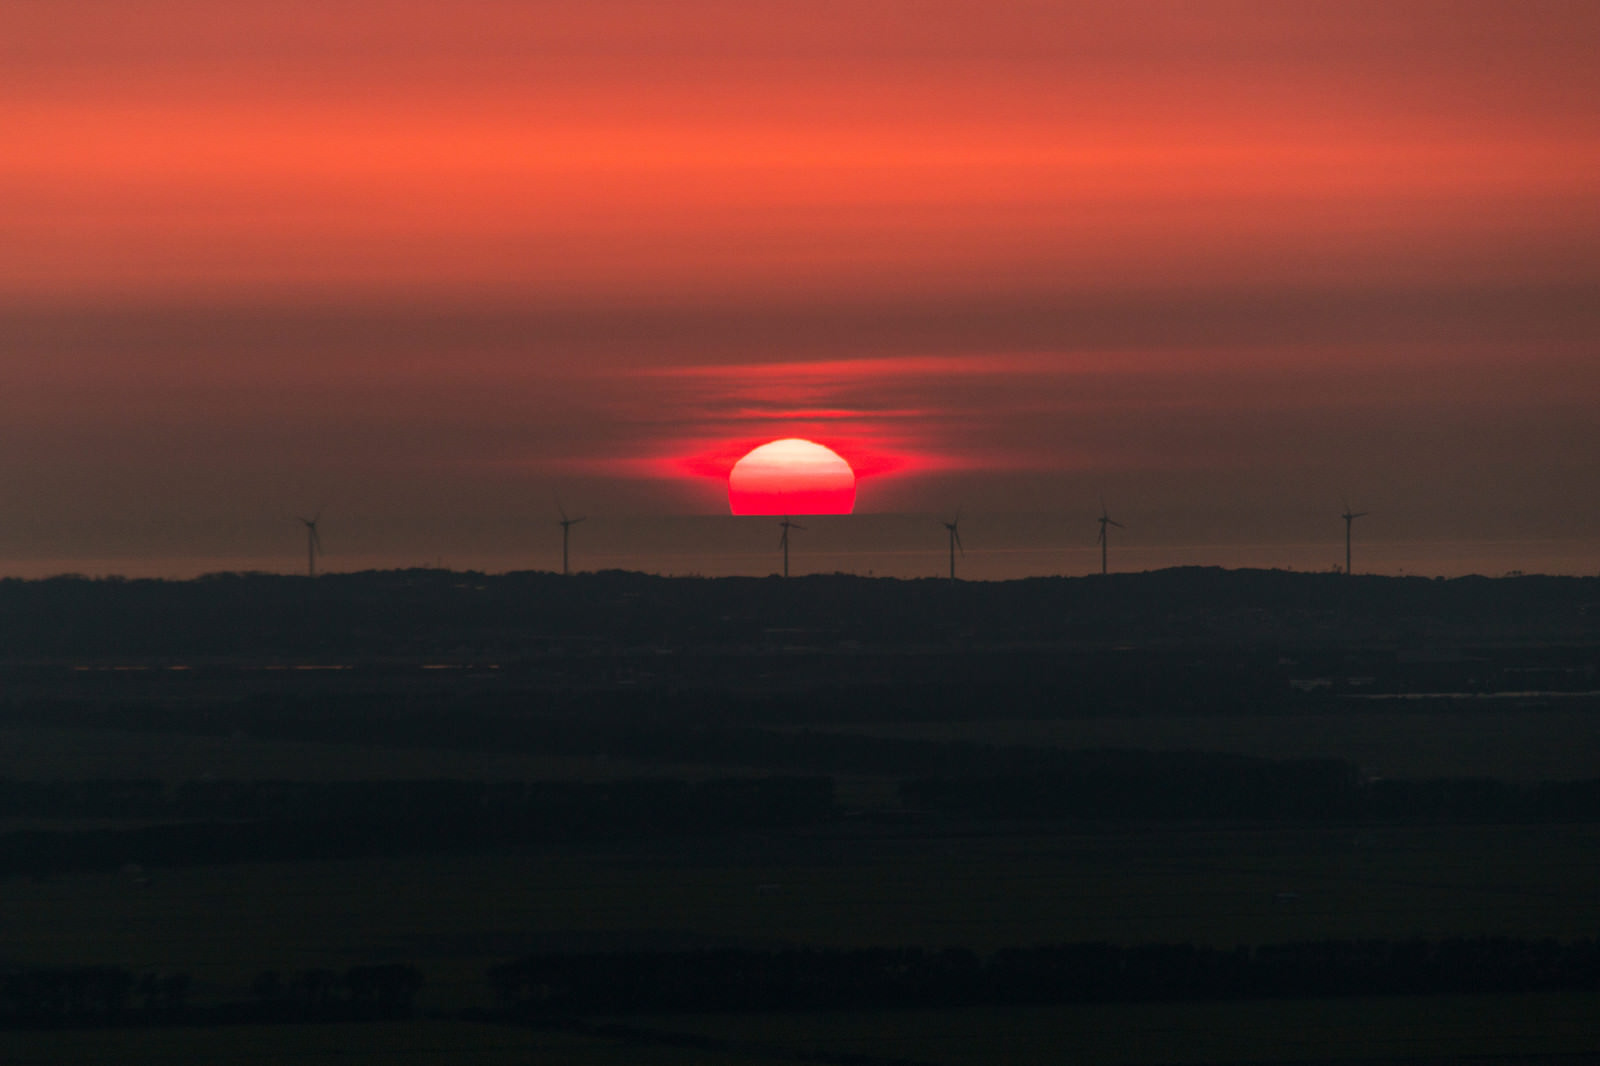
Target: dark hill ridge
413,613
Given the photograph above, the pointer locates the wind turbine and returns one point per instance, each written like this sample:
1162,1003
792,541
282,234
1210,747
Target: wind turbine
566,529
955,542
313,543
1105,520
783,541
1349,518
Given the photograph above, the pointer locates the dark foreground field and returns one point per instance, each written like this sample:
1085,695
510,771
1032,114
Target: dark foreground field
1190,816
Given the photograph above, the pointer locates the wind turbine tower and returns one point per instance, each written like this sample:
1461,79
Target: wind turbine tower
313,544
955,542
1349,518
1105,520
566,530
783,541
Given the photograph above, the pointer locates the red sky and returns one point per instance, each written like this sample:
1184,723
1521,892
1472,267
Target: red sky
429,264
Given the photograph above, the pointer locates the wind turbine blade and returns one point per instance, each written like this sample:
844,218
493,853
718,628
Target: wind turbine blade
316,538
1119,525
1101,539
958,542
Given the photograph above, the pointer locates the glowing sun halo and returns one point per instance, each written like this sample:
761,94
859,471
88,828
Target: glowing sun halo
791,477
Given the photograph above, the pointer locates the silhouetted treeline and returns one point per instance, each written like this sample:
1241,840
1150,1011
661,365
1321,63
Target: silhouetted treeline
75,995
372,991
281,821
868,978
72,997
554,986
405,612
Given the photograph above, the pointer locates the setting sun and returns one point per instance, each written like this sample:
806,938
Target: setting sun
791,477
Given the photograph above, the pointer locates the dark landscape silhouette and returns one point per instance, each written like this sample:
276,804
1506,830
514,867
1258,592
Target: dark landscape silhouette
794,733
